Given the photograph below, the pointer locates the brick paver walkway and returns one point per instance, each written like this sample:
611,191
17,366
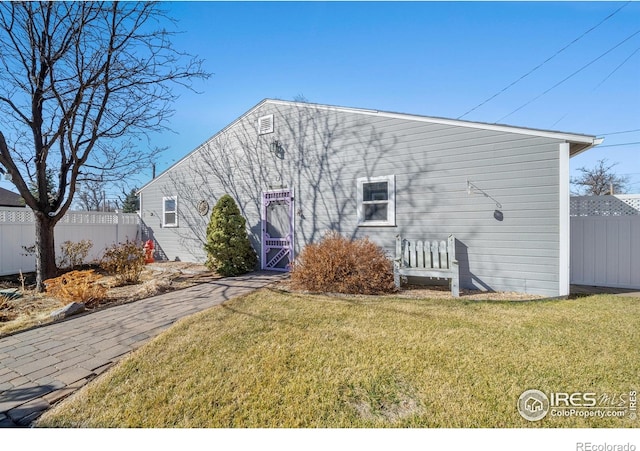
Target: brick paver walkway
44,365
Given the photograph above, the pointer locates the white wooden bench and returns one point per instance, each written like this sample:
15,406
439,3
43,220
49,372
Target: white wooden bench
424,258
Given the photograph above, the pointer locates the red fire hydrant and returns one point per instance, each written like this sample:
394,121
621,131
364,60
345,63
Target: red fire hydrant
148,251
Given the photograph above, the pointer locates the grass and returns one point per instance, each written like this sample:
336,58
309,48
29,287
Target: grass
275,359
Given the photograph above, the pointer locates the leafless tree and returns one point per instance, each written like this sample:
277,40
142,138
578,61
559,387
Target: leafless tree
600,180
80,83
91,195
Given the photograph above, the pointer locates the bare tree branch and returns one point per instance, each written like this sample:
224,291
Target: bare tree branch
600,180
78,81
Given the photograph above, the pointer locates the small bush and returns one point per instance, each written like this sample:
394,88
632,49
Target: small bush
339,265
229,250
73,254
5,310
79,286
125,261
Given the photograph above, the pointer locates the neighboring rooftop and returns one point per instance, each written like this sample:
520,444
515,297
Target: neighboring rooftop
10,199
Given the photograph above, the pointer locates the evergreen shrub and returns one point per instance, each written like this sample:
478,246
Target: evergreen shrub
228,248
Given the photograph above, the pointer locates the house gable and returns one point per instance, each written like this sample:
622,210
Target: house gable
578,142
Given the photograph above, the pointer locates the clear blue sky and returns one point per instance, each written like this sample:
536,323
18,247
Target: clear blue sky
428,58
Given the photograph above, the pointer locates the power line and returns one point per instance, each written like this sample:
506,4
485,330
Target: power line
617,145
570,76
619,133
554,124
545,61
616,69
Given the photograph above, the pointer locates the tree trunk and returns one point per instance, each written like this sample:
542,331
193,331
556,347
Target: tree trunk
45,249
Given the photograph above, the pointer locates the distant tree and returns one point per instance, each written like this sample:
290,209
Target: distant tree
229,250
600,180
300,98
131,201
50,186
91,195
79,83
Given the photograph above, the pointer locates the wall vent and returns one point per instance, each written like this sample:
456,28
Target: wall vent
265,124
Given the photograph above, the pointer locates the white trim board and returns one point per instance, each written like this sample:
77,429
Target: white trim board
564,221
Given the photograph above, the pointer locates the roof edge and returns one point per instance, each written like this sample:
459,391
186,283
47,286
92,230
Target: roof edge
199,146
567,136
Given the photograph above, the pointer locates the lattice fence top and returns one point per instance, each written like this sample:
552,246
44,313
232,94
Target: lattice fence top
616,205
26,216
16,214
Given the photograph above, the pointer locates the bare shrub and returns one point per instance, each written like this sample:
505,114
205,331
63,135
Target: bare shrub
125,261
73,254
6,313
79,286
339,265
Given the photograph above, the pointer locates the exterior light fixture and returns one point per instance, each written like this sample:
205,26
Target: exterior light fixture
497,213
277,149
471,188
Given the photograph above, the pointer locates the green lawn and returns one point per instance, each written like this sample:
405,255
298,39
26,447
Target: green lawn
275,359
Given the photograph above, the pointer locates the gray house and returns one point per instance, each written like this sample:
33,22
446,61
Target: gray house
298,170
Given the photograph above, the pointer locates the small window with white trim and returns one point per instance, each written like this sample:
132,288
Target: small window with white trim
377,201
170,211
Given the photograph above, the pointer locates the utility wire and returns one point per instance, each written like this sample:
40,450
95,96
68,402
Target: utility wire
605,79
616,145
616,69
619,133
546,61
570,76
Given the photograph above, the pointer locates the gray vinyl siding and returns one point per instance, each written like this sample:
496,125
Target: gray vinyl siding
326,151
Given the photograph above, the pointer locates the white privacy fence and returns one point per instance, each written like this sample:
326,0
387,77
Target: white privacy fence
17,232
605,241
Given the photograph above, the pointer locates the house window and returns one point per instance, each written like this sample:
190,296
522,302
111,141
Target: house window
170,211
377,201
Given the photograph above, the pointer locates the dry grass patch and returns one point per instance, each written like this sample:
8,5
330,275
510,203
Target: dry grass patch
20,314
33,309
276,359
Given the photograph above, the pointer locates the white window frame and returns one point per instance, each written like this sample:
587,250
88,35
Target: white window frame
391,201
165,211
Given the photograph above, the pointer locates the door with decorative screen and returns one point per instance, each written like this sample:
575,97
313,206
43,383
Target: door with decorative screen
277,229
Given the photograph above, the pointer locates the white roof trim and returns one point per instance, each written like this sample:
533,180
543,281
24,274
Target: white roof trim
573,137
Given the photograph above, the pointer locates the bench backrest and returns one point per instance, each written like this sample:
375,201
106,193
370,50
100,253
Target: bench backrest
425,254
